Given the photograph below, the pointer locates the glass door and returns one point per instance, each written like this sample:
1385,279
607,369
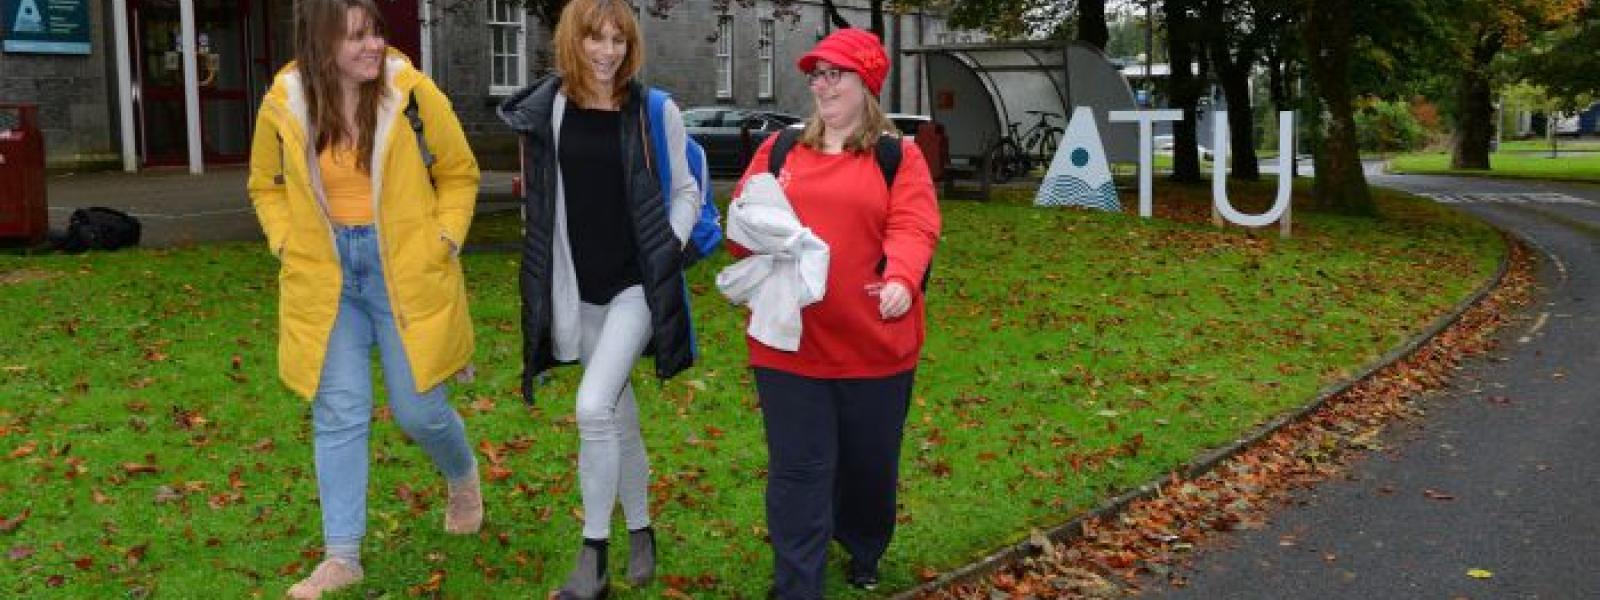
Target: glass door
222,34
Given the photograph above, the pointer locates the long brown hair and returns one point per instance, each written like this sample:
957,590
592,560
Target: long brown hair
873,124
584,19
319,27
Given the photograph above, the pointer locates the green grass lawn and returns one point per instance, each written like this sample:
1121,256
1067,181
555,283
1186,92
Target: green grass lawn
1543,145
1575,166
146,446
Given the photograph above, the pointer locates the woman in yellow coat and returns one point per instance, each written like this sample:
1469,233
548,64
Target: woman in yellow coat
367,232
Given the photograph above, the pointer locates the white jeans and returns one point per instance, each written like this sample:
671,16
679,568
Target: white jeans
611,461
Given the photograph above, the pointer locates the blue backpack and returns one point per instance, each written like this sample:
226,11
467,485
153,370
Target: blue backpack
707,234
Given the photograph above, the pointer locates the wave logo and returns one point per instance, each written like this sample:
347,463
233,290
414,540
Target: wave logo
28,19
1079,174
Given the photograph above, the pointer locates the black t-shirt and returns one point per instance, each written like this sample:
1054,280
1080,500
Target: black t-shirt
599,227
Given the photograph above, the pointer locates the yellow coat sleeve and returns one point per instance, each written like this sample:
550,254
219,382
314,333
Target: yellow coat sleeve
455,169
267,182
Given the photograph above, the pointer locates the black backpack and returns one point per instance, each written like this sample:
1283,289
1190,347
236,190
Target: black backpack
887,152
99,228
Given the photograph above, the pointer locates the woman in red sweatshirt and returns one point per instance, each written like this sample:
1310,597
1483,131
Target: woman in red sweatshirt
835,409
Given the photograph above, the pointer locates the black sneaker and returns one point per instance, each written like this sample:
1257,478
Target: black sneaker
865,578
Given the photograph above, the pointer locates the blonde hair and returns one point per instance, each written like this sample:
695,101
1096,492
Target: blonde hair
873,124
319,27
585,19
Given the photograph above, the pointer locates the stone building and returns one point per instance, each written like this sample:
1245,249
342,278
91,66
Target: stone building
136,95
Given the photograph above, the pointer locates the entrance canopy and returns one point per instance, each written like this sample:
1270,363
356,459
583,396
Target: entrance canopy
976,90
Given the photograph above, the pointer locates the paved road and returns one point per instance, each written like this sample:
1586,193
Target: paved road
1515,441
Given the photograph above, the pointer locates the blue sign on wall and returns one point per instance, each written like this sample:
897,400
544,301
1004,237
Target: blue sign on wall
45,26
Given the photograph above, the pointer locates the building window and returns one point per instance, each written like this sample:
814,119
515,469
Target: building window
764,53
724,57
508,28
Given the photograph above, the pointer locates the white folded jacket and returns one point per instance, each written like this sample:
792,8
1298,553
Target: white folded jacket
786,271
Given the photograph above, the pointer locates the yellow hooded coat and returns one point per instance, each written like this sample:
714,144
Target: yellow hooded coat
421,214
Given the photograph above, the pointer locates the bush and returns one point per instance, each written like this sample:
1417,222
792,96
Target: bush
1385,126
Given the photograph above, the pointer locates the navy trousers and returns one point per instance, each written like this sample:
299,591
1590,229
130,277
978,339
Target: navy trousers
833,457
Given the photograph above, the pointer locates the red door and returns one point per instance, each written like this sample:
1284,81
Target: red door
405,27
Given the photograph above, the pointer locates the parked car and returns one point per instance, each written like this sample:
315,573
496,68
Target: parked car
908,123
719,130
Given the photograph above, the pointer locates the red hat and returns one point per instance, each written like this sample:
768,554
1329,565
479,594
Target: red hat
852,50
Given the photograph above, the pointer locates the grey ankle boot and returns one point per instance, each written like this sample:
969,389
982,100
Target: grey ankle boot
588,580
641,556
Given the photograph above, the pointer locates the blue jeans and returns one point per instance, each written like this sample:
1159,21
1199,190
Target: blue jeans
341,413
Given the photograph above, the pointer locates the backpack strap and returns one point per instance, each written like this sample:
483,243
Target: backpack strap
887,153
415,118
780,149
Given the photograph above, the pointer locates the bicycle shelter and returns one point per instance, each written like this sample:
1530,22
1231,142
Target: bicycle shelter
977,90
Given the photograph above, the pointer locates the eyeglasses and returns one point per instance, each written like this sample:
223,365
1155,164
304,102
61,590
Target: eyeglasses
829,75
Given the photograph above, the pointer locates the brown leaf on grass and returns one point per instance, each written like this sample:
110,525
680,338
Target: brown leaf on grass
675,594
431,586
236,478
291,569
490,451
20,552
24,450
11,524
714,432
55,581
132,468
84,563
186,419
496,473
483,404
264,445
135,555
927,574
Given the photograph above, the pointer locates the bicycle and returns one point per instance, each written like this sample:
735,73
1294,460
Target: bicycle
1008,158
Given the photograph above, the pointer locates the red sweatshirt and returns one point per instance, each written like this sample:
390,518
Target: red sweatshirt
843,200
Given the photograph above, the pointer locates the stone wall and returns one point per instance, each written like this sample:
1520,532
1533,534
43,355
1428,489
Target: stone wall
680,57
74,98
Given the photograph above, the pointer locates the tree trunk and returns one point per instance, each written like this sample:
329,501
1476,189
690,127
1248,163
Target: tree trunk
1340,185
1092,28
1183,90
1232,58
1474,120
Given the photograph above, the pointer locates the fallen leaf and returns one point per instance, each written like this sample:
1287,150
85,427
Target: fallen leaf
24,450
498,473
11,524
136,553
1479,573
138,468
55,581
20,552
84,563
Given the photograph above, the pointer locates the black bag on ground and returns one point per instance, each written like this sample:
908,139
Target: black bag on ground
99,228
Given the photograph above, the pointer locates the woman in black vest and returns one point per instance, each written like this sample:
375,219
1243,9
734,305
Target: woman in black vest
602,279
